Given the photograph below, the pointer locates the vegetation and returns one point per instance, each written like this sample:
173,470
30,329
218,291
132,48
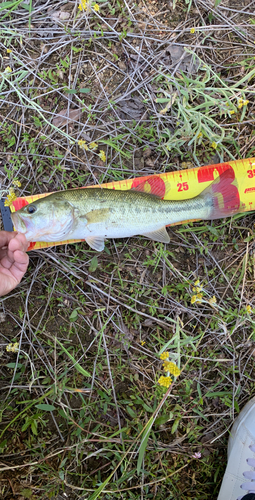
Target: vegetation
92,92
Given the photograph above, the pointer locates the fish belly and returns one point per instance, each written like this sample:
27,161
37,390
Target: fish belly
109,231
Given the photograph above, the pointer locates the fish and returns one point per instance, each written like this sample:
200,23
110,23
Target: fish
94,213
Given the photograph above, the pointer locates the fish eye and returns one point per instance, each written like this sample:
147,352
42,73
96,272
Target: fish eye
31,209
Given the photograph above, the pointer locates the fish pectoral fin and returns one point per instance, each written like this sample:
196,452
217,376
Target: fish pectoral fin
96,216
158,235
96,242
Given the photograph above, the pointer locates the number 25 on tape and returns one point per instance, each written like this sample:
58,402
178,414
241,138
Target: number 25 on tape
182,186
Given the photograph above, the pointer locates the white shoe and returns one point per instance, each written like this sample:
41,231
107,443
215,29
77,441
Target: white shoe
241,456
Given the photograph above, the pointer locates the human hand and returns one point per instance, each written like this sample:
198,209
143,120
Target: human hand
13,260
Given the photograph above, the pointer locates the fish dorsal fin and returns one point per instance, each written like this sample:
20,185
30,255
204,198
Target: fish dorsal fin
96,216
154,186
158,235
96,242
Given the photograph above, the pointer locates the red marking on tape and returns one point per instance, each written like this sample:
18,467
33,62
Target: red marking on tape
31,245
157,185
249,190
205,174
19,203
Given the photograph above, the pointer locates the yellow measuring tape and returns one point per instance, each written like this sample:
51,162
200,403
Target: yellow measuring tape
178,185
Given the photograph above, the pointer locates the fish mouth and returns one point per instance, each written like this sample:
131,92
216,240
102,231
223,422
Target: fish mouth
18,222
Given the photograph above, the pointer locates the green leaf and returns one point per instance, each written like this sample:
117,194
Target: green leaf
34,427
144,442
147,408
163,99
12,365
3,443
27,7
213,230
93,264
37,121
216,3
76,365
163,419
71,91
74,315
85,90
131,412
175,425
218,394
45,407
6,5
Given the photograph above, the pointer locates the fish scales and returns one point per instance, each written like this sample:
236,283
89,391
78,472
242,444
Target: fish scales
133,203
94,214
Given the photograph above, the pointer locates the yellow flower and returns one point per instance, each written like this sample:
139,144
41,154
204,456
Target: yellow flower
197,287
93,145
166,365
96,7
83,5
246,102
164,355
192,30
172,368
9,51
193,299
102,156
248,309
12,347
16,183
196,298
212,301
83,145
142,342
165,381
214,145
240,103
232,111
8,70
200,135
10,198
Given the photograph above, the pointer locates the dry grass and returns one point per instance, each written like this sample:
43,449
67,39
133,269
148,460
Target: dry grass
76,398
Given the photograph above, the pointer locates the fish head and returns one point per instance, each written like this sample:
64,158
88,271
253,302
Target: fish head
47,219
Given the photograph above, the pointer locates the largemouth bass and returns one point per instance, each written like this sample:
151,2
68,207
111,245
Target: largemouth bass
94,214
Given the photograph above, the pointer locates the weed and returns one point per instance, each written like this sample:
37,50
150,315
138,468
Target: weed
81,398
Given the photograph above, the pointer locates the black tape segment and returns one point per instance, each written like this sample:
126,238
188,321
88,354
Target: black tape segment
6,216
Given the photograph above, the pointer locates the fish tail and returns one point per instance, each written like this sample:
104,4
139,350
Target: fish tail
222,196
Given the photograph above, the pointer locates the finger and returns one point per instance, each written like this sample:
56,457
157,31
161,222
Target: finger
3,252
19,242
7,261
18,267
6,237
20,264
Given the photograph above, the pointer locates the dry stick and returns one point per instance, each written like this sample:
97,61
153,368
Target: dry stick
244,278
